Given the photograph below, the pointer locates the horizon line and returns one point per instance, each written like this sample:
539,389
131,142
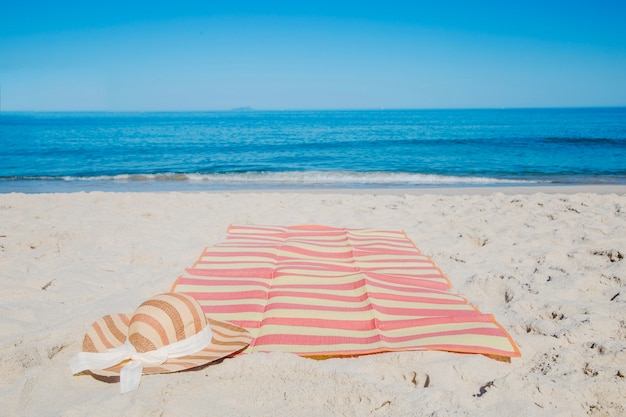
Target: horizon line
275,110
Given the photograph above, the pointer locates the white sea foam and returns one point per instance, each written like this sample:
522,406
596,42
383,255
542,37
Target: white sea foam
308,179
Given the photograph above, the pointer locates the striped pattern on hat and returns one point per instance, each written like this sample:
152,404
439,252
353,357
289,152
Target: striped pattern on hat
162,320
320,291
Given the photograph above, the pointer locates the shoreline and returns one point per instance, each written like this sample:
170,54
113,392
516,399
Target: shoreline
548,263
445,190
474,190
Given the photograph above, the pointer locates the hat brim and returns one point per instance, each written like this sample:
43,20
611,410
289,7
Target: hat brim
110,332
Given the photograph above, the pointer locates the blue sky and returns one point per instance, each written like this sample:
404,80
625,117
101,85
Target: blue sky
218,55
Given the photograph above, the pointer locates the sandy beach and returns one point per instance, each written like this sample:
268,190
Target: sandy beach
547,262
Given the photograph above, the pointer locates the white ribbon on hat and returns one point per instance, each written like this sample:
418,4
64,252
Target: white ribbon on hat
130,375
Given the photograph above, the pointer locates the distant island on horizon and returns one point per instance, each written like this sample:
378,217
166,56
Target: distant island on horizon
245,108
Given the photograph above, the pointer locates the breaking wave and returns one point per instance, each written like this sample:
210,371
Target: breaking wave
291,179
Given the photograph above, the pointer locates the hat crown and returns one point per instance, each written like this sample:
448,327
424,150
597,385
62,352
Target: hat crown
165,319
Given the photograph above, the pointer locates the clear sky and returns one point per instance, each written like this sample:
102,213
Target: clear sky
217,55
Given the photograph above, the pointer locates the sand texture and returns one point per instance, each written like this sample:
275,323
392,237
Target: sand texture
549,266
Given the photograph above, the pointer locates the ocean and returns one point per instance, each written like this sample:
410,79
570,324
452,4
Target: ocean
253,150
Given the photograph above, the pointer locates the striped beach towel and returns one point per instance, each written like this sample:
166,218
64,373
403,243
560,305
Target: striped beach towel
320,291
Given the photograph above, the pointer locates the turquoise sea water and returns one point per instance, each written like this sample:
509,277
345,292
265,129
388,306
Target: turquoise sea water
43,152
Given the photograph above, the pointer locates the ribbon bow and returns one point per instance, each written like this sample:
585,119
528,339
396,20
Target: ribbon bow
130,375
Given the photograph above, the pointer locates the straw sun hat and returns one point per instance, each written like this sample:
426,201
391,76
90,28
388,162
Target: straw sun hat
167,333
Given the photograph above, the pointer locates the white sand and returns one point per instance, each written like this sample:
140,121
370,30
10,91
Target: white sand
550,267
